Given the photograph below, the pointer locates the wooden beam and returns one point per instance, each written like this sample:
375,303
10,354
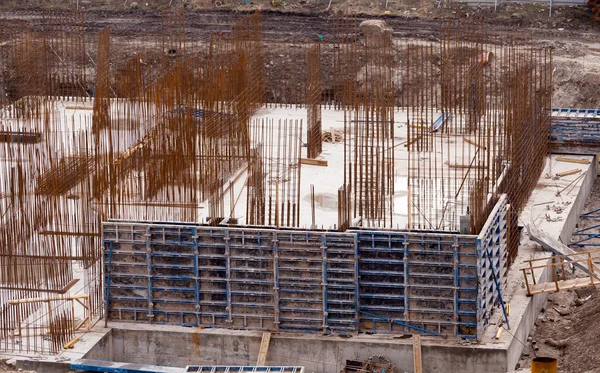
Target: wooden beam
570,172
313,162
418,362
474,143
48,299
463,166
264,348
69,233
71,343
499,332
573,160
54,291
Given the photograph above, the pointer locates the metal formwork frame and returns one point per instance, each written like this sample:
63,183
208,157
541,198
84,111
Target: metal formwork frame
575,113
582,131
492,263
428,280
307,281
250,278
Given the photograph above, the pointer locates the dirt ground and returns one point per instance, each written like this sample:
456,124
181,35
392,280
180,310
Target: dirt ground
5,367
570,31
568,328
568,331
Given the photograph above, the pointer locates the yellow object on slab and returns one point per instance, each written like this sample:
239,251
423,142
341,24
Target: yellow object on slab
544,365
573,160
71,343
570,172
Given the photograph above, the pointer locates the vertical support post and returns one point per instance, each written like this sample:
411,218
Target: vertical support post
197,307
228,275
554,276
107,271
147,235
406,280
526,281
532,273
417,359
356,282
480,290
264,349
590,268
324,282
455,261
275,278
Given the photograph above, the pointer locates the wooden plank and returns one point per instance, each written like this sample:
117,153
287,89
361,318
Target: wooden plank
48,299
573,160
474,143
570,172
465,166
418,362
499,332
71,343
264,348
64,290
550,287
313,162
79,107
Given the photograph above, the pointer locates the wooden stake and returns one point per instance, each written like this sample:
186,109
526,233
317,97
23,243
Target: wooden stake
313,162
573,160
264,348
418,363
570,172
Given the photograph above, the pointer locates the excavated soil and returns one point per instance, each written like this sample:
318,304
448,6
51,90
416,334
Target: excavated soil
570,31
568,330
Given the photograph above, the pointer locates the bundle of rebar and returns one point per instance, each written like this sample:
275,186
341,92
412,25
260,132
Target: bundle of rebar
313,102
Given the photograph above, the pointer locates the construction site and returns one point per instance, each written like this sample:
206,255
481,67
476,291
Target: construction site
216,194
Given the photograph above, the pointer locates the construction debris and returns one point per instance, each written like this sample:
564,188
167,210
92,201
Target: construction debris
375,364
333,136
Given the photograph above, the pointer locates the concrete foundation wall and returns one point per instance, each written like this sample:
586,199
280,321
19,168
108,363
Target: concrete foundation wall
586,187
524,325
317,354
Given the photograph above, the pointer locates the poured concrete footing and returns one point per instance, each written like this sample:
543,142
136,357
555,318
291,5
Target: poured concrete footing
180,346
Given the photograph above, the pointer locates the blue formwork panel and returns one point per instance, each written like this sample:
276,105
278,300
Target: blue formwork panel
245,278
492,262
580,131
306,281
421,282
575,113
